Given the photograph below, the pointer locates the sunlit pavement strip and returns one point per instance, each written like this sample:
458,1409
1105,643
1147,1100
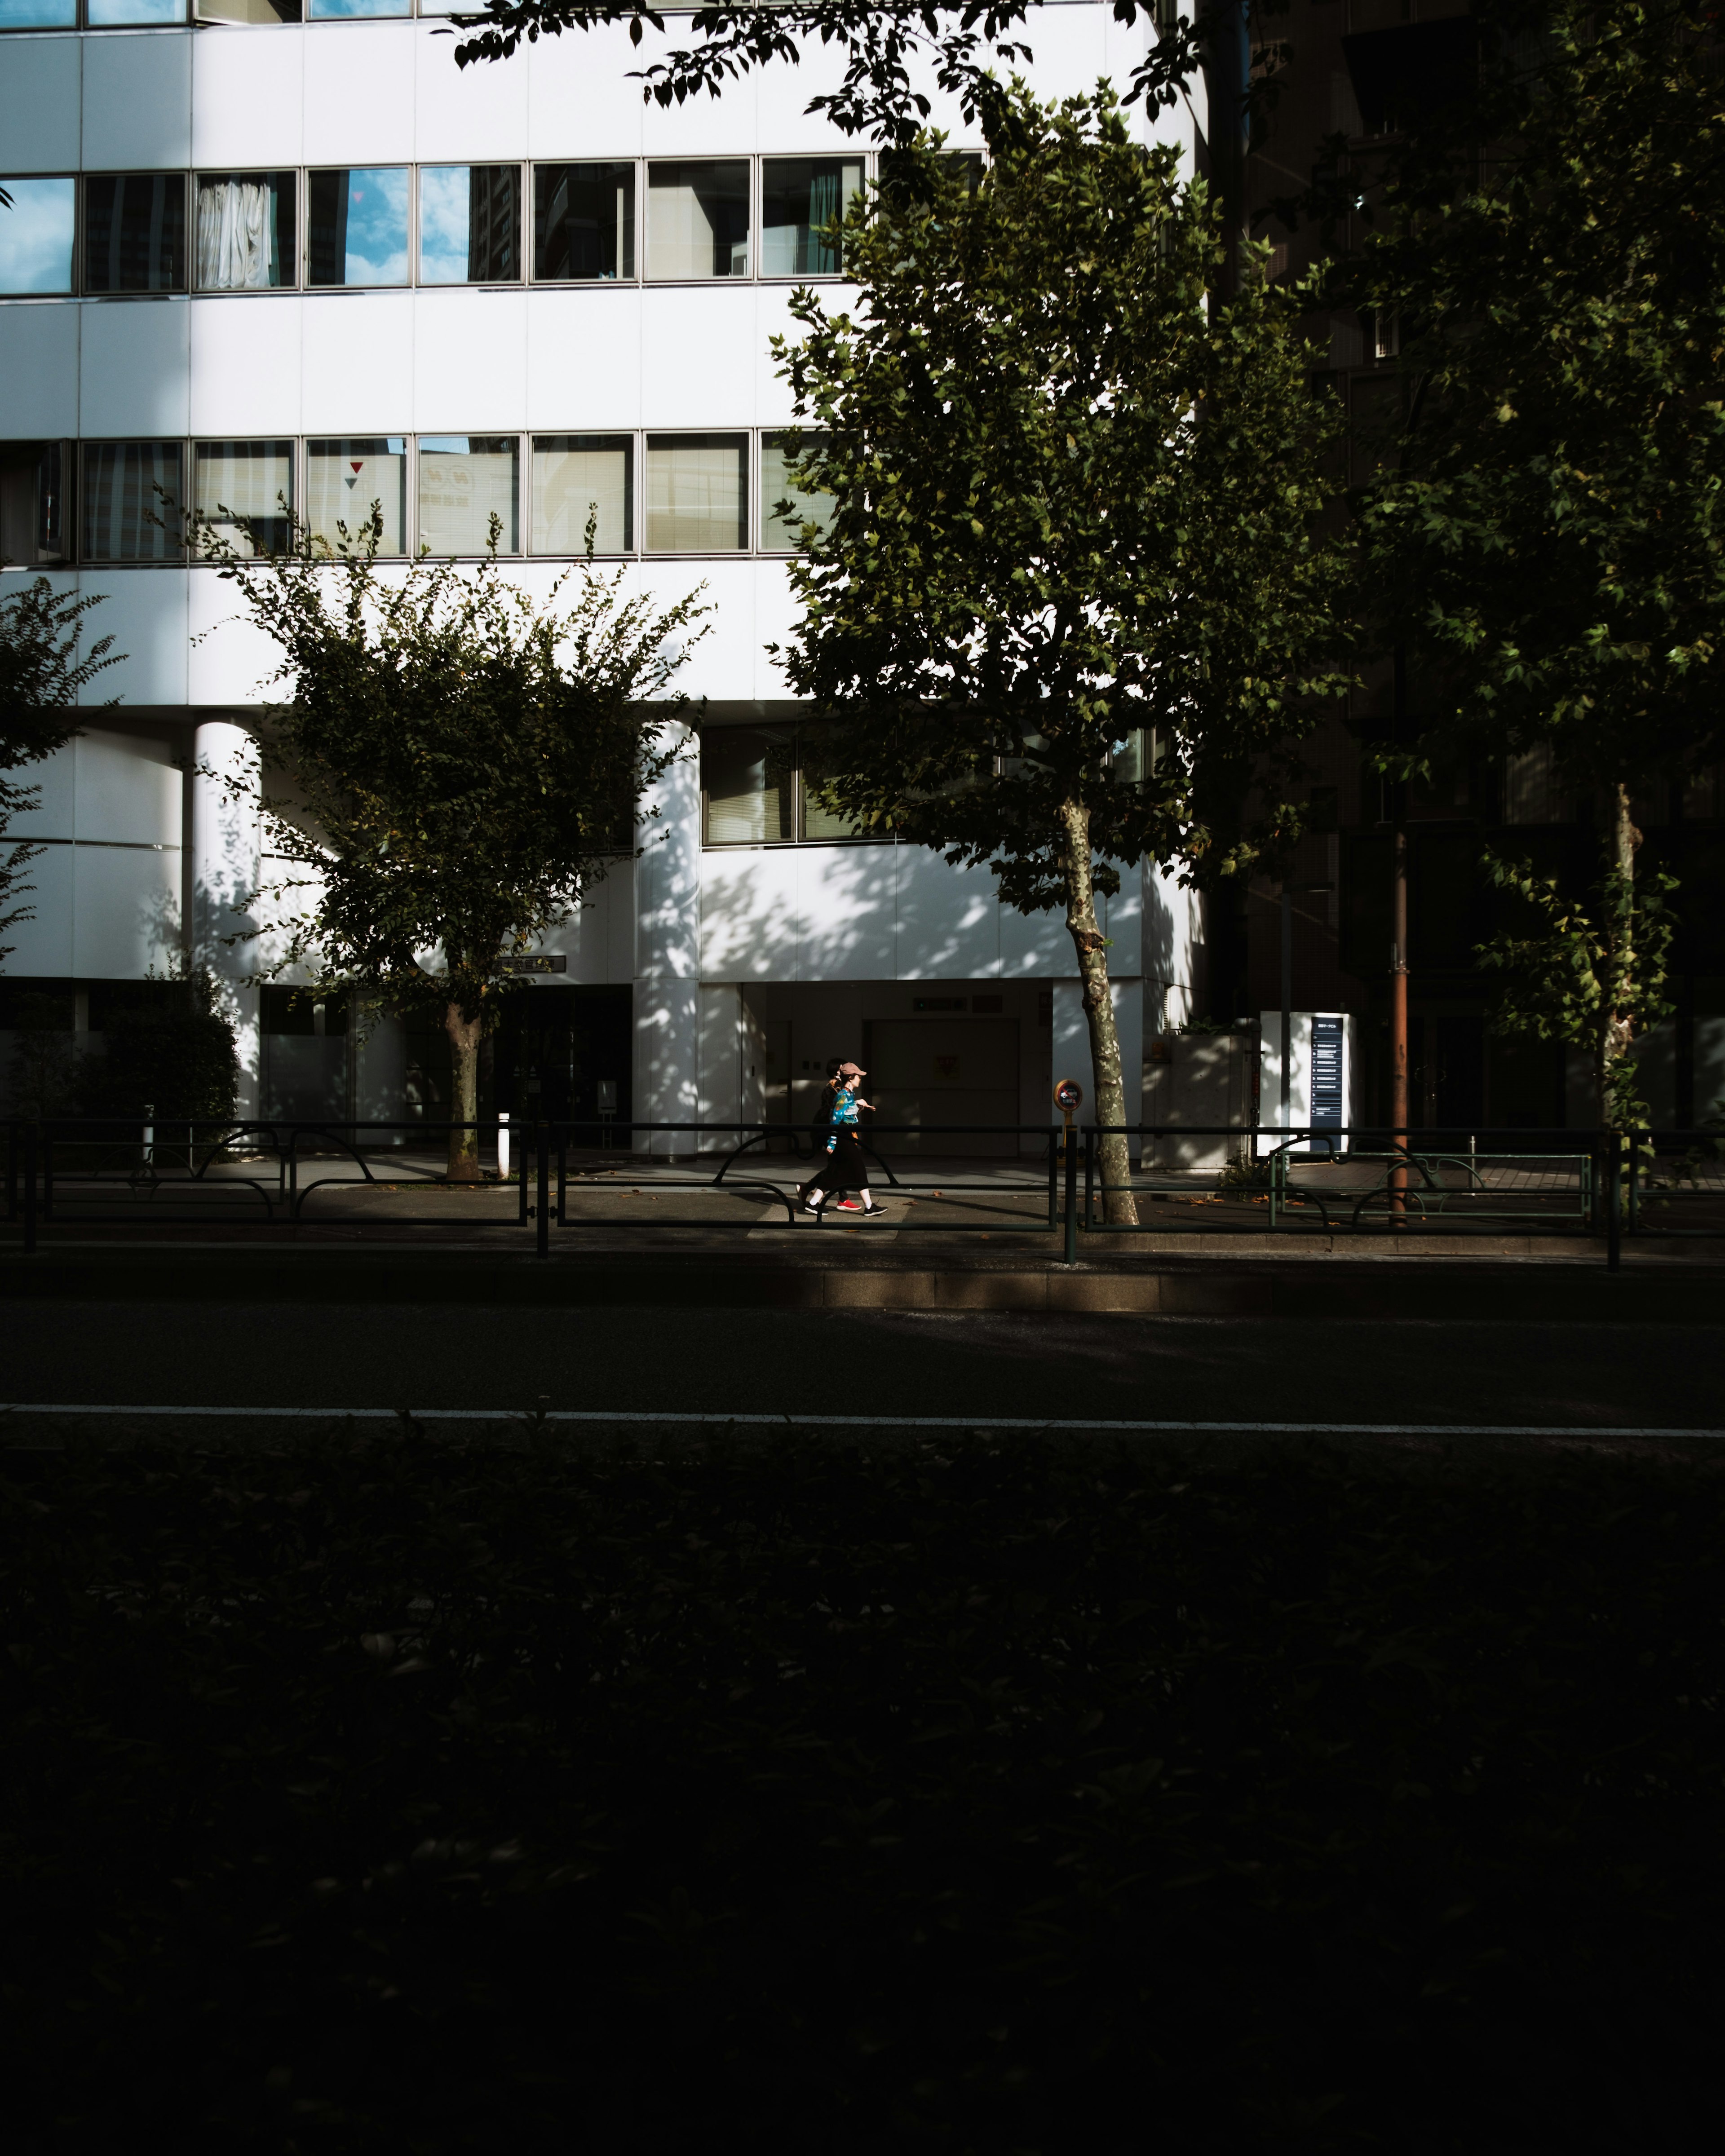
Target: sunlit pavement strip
874,1422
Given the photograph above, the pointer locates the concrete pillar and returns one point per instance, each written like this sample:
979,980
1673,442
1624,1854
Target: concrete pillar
224,866
667,1047
724,1031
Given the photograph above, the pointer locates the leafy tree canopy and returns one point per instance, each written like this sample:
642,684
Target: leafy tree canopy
1072,598
460,763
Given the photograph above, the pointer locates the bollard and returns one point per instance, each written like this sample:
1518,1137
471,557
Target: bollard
503,1146
149,1134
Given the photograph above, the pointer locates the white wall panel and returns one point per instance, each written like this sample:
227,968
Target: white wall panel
244,356
949,919
469,361
126,909
137,101
847,912
144,611
704,128
749,914
131,790
668,875
467,115
132,367
359,93
55,783
773,402
40,105
227,661
723,664
583,360
248,97
1122,921
580,101
39,367
1035,946
782,122
358,360
44,945
701,355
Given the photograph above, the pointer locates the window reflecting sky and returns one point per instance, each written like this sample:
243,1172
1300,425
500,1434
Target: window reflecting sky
36,236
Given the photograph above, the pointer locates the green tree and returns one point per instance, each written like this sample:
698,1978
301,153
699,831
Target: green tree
1071,601
41,676
459,764
1545,541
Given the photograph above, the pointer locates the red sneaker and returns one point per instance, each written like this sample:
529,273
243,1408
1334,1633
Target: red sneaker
850,1205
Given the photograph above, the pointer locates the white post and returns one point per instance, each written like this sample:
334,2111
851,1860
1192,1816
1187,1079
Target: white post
226,866
667,1048
502,1146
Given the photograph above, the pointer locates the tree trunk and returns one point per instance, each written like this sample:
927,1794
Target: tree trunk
463,1034
1617,1020
1119,1207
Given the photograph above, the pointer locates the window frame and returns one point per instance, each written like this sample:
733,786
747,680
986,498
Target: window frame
799,801
299,175
764,158
74,290
523,169
83,290
180,558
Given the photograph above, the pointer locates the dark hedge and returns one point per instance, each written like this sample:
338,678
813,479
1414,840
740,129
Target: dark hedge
978,1797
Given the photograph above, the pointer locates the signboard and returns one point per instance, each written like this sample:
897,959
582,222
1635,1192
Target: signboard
1069,1096
540,962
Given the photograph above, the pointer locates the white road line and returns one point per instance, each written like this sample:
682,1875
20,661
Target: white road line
874,1422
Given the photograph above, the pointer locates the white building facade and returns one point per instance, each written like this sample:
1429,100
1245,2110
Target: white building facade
253,256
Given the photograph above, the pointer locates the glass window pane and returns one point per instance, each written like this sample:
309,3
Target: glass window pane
781,534
357,225
576,476
336,11
135,232
246,490
464,481
747,778
698,219
583,221
248,11
39,14
799,198
697,494
344,478
32,501
131,493
817,822
36,235
244,236
469,223
111,14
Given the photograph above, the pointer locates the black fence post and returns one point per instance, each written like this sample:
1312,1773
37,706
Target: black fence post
541,1219
1613,1202
1071,1196
563,1174
46,1131
29,1188
523,1209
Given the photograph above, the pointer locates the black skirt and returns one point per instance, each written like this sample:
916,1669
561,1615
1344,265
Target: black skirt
845,1169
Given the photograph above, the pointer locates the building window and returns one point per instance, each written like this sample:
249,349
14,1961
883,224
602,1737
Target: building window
243,237
244,492
782,533
578,476
357,225
39,14
344,479
36,235
32,502
583,222
135,232
697,494
131,495
817,824
748,785
464,481
248,11
800,197
698,219
1533,792
345,11
118,14
470,224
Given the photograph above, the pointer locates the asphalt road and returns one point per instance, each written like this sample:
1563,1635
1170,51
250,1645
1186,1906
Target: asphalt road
862,1364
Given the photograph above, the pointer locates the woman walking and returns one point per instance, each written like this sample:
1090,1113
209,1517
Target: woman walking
843,1172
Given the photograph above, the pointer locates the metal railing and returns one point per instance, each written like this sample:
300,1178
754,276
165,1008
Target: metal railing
1045,1179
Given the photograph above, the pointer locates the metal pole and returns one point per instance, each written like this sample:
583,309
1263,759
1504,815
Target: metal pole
541,1221
29,1188
1613,1202
1071,1196
1398,1022
1287,1006
563,1174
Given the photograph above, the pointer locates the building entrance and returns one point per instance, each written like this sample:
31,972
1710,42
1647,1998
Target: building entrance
936,1070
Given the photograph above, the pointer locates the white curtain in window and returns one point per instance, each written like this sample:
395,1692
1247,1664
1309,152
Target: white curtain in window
232,235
